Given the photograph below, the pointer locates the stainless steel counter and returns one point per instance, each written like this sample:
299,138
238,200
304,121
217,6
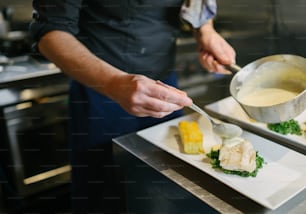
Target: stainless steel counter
24,68
202,186
26,78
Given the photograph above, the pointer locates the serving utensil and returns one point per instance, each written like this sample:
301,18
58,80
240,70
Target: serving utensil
225,130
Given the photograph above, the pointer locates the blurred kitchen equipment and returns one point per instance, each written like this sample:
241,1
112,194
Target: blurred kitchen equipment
5,19
15,43
224,130
11,63
12,42
4,60
3,25
279,72
35,139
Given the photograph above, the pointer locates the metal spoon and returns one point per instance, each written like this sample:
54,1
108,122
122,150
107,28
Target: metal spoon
225,130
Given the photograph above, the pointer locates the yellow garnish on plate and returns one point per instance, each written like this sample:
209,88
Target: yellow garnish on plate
191,137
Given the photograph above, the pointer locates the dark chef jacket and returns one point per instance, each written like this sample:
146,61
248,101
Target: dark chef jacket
137,36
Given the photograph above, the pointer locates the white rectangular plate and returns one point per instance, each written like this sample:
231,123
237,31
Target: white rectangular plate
228,108
282,176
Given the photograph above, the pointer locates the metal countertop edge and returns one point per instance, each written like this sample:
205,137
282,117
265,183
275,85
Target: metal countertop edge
196,190
147,155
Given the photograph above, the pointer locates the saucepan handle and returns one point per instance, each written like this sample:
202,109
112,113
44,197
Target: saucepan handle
233,68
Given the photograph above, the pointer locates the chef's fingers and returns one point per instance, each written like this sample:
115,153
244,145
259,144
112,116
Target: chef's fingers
170,94
215,51
155,99
221,50
206,61
211,64
224,54
156,108
220,68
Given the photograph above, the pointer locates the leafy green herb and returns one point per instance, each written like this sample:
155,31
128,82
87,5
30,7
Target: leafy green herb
214,157
287,127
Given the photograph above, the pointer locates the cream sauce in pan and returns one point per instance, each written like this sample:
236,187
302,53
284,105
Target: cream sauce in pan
267,96
272,83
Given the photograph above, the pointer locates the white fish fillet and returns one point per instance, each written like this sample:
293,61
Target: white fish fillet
237,154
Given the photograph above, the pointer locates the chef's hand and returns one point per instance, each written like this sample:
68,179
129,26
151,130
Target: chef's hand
141,96
214,51
137,94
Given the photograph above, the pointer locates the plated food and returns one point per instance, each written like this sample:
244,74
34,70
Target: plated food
282,171
234,156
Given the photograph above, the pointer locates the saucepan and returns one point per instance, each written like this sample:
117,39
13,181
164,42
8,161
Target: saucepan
271,89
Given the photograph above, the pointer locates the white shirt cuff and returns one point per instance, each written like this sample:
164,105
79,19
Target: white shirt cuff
198,12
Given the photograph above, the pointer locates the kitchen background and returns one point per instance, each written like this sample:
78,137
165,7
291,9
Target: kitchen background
254,28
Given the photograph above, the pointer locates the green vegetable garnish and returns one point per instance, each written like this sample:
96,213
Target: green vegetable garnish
214,156
287,127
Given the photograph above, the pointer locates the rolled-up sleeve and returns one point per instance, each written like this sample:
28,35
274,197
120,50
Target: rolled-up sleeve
198,12
49,15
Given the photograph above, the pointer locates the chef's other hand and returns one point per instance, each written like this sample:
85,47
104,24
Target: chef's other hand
214,51
142,96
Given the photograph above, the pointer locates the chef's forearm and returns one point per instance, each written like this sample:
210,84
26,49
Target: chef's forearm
74,59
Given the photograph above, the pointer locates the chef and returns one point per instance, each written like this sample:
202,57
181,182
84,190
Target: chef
115,51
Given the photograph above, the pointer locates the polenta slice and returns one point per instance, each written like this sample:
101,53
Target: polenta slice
191,137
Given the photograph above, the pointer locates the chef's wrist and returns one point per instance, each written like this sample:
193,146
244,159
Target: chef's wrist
208,27
203,31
